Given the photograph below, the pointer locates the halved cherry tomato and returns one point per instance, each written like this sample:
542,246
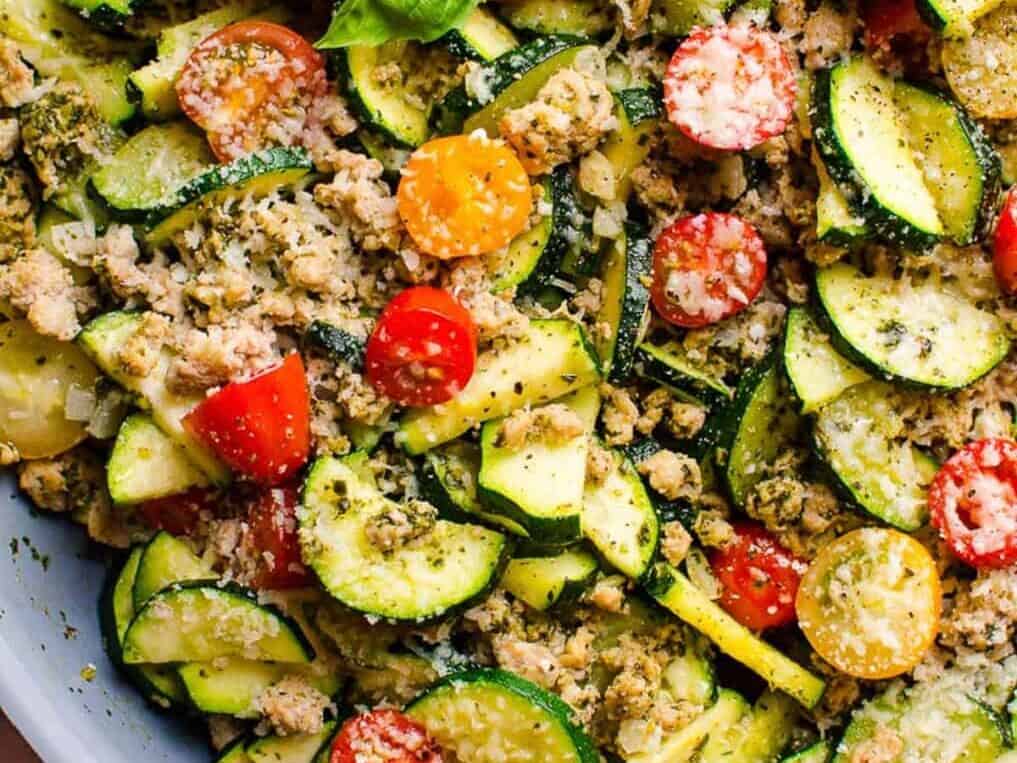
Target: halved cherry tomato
706,268
895,34
272,517
869,603
249,86
179,514
464,195
423,349
260,428
730,87
384,735
973,502
759,577
1004,245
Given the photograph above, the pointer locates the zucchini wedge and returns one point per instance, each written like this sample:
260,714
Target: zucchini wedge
450,566
166,560
481,37
105,14
489,716
674,592
759,735
681,746
583,18
860,437
954,18
668,364
235,751
861,139
553,359
296,748
639,110
817,372
625,301
547,582
818,752
146,463
676,18
836,224
920,335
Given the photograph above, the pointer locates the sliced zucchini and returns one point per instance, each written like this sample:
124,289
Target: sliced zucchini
539,485
860,436
102,340
681,746
918,334
861,139
165,561
550,581
235,751
535,256
257,174
759,735
669,365
676,18
296,748
153,84
628,145
583,18
338,344
201,622
508,82
674,592
819,752
836,224
690,677
620,520
385,109
171,154
450,566
756,427
625,301
448,480
552,359
818,373
982,68
392,158
485,716
962,169
681,510
146,464
954,18
482,37
105,14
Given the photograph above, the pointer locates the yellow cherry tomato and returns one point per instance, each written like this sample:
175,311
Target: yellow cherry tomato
869,603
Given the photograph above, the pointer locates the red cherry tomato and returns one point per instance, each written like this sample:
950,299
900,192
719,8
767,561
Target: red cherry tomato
424,348
730,87
895,34
1004,252
760,578
386,735
249,86
706,268
973,502
272,518
260,428
179,514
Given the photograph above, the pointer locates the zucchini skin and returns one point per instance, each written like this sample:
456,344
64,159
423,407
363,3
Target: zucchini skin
992,170
635,302
564,230
339,345
669,511
641,104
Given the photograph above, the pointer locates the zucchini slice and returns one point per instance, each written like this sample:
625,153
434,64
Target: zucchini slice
917,334
962,169
201,622
448,481
620,520
669,365
510,81
539,485
482,37
102,339
485,716
860,437
583,18
627,146
681,510
451,566
681,746
338,344
625,301
257,174
552,359
171,154
861,139
759,735
982,68
819,752
146,464
836,224
817,372
676,18
690,677
550,581
165,561
674,592
297,748
105,14
235,751
954,18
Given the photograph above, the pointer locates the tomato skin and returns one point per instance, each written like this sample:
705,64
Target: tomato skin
1004,245
717,254
260,428
423,349
272,517
759,576
179,514
895,33
384,735
973,503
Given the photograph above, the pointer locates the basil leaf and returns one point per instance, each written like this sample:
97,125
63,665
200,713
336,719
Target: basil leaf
373,22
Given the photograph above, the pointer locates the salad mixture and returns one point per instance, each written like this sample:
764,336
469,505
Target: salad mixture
537,380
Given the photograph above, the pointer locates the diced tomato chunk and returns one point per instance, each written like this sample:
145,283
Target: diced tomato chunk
272,517
1004,245
179,514
895,34
386,735
260,428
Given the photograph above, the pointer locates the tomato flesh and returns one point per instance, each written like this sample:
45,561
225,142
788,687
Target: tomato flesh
260,428
706,268
730,88
424,348
760,578
1004,245
272,518
973,503
895,34
179,514
384,735
250,86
